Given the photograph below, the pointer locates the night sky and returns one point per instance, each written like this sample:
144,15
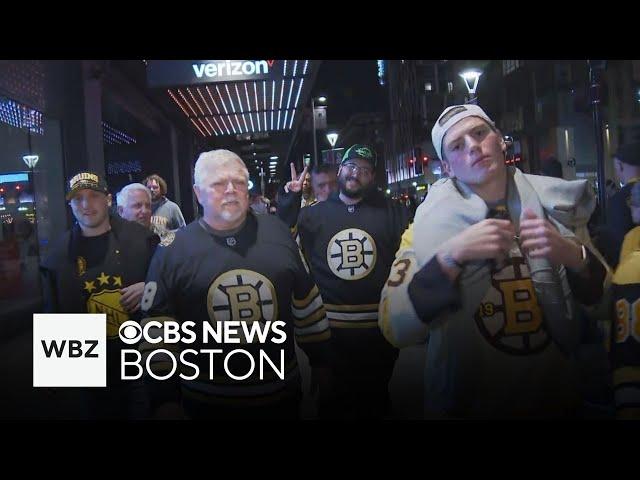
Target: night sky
351,86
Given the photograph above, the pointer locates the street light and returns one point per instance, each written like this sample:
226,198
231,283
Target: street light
31,161
321,99
471,78
332,137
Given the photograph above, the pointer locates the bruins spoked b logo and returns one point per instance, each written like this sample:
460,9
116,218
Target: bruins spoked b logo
509,316
351,254
242,295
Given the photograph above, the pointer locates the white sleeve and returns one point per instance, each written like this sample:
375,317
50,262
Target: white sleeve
397,317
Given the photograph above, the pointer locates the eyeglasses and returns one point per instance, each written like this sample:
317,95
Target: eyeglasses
353,168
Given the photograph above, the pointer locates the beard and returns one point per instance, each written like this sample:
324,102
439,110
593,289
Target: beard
359,192
233,214
228,216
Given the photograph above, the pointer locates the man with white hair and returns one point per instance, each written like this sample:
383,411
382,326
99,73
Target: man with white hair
234,265
498,260
134,204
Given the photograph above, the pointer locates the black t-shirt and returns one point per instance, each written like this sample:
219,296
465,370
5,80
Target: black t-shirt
102,279
92,250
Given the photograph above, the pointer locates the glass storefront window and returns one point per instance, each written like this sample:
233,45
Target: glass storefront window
32,205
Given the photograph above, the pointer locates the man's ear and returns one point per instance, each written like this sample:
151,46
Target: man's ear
446,166
196,190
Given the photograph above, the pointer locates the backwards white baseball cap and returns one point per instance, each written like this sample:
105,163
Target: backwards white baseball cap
449,118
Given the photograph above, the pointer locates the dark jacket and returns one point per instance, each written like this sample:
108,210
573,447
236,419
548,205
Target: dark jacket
289,206
131,246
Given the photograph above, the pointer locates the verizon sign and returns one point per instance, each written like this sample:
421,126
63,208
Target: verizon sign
171,73
232,68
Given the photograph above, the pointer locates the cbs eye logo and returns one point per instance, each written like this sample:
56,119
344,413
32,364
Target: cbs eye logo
130,332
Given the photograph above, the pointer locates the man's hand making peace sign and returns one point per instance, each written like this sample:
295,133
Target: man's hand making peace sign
295,185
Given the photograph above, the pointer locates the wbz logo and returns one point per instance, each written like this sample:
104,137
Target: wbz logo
74,348
69,350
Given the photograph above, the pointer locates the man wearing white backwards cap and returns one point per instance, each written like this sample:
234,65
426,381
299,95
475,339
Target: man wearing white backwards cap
498,260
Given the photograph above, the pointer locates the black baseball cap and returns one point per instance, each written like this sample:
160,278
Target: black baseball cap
360,151
84,180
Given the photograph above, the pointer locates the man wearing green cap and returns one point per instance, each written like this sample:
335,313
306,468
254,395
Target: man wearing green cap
349,241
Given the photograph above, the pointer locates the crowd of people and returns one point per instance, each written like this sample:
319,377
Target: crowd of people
495,274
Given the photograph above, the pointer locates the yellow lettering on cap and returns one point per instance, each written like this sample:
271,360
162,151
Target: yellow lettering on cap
83,176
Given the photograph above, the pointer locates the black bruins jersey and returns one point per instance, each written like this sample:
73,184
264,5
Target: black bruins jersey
256,274
350,249
625,337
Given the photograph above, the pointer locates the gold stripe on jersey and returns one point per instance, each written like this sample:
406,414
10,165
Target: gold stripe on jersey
350,324
407,238
628,413
315,317
368,307
626,375
301,304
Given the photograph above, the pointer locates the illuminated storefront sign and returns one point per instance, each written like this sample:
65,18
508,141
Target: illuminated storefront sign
233,97
171,73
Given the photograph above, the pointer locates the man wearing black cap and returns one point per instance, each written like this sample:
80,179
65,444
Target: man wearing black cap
349,241
626,162
99,266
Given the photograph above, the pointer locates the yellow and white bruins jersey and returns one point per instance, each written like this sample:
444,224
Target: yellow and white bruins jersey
489,352
256,275
625,336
